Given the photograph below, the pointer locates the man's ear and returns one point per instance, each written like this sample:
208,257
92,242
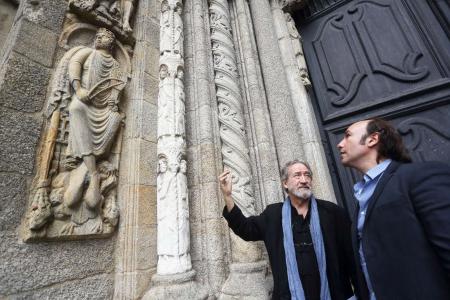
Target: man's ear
284,184
373,139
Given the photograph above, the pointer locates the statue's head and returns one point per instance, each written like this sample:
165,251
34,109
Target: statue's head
104,39
162,165
183,166
165,6
163,72
180,73
178,9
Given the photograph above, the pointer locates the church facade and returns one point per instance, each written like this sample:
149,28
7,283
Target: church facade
117,116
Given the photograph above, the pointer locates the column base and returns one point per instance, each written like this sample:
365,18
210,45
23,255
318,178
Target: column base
246,281
176,286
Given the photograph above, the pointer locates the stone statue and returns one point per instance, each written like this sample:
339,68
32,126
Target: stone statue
165,42
165,101
81,186
178,30
93,113
298,49
179,105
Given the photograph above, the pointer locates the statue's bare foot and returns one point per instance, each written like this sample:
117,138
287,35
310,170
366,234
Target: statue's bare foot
93,195
127,28
68,229
98,226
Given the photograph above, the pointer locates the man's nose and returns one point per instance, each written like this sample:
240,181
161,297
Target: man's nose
340,144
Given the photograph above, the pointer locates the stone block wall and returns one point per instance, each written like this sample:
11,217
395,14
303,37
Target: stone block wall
44,270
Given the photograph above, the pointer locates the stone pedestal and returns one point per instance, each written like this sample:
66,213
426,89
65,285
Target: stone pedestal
246,281
176,286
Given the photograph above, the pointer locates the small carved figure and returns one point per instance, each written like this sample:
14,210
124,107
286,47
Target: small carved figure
298,49
166,102
165,44
178,30
179,102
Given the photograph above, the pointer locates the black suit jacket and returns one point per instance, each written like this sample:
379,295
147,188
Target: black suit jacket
267,226
406,234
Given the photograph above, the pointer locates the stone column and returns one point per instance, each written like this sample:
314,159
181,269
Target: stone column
264,145
175,276
247,272
294,64
286,129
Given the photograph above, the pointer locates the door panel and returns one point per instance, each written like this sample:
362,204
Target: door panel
386,58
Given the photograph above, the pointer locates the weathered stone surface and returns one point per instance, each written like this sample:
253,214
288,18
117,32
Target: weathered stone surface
24,85
7,12
94,287
48,13
36,43
19,134
47,264
12,200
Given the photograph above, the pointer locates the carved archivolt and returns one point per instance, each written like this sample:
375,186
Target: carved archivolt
232,125
172,194
74,192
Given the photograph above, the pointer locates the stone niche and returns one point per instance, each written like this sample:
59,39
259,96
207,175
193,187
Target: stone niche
74,192
8,9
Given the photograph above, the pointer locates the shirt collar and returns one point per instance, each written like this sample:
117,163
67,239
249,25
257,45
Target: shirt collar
377,170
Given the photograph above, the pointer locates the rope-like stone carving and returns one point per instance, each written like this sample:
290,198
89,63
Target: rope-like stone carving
172,194
232,125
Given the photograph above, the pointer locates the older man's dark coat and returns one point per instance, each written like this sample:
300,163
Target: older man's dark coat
267,227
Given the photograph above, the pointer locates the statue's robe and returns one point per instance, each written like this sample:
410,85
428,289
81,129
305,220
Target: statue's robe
93,124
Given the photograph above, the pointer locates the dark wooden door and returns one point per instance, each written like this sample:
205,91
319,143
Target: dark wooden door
385,58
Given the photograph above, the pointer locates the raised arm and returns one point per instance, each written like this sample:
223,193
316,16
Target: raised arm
226,187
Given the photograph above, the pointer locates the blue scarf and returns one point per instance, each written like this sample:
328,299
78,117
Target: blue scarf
295,284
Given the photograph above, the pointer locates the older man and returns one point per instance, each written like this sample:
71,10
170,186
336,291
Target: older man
401,236
307,240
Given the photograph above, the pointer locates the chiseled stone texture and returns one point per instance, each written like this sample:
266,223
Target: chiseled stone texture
93,287
24,85
32,267
45,270
19,134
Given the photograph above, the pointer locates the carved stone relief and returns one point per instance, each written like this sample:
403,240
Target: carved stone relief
232,125
173,240
298,49
113,14
74,191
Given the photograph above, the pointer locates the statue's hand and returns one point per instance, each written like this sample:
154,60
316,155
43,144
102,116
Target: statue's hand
82,95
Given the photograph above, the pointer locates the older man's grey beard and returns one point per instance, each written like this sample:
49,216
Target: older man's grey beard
302,193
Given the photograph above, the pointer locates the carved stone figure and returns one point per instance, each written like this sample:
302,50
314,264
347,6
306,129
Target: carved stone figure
78,177
179,105
166,102
113,14
298,49
178,30
165,44
172,210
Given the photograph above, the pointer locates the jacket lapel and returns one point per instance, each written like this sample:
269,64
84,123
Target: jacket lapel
380,186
